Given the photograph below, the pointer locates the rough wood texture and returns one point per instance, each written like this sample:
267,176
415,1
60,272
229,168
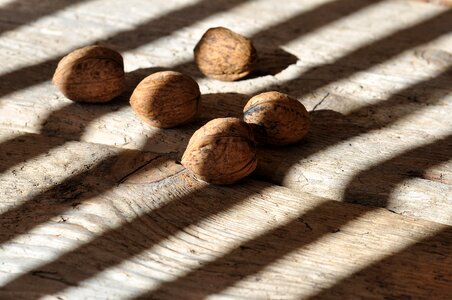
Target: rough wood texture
383,93
81,219
138,225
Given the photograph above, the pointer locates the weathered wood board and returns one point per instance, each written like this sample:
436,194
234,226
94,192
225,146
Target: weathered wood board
95,205
376,98
115,228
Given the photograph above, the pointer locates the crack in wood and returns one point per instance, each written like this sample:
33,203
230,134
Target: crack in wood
52,276
124,178
320,102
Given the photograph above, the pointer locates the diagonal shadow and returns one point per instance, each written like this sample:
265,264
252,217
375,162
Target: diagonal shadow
150,31
356,61
302,23
150,229
77,117
253,256
330,128
218,201
413,260
116,39
30,145
412,163
128,40
306,22
71,192
38,73
304,19
412,266
327,130
268,39
331,11
21,12
125,40
370,55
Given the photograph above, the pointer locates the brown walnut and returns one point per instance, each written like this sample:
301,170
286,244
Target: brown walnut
166,99
91,74
225,55
277,118
222,151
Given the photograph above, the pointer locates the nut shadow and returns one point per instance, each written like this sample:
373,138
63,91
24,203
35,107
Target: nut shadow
200,281
68,123
222,105
369,55
77,189
18,282
294,27
28,146
253,256
142,34
95,179
271,61
330,128
343,128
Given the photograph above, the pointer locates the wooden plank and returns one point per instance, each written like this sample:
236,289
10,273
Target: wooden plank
81,219
339,150
135,224
321,165
382,94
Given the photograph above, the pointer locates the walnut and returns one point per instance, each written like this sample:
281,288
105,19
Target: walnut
222,151
225,55
91,74
278,118
166,99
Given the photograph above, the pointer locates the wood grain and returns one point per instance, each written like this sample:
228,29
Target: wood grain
95,204
162,230
357,123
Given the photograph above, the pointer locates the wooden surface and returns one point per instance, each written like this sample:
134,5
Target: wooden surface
94,204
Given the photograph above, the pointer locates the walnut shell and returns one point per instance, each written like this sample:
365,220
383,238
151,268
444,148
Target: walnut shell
91,74
166,99
225,55
222,151
279,119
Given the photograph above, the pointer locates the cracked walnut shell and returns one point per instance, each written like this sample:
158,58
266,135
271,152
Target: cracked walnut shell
91,74
166,99
277,118
225,55
222,151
